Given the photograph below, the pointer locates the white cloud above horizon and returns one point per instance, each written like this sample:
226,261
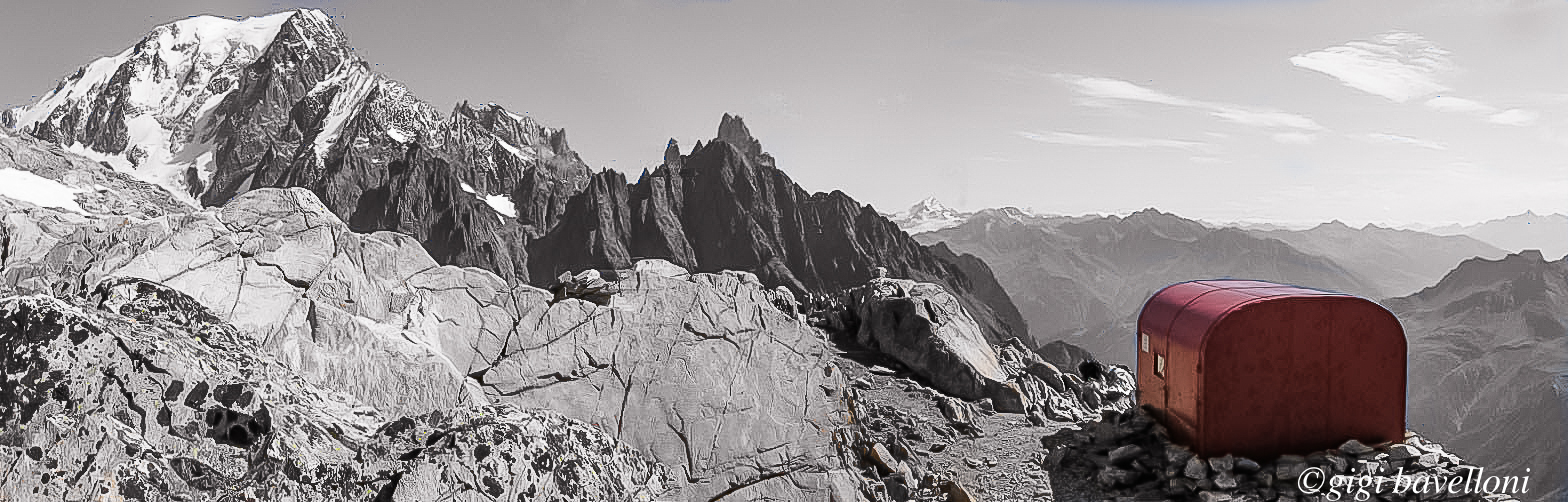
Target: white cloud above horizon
1110,89
1397,65
1517,117
1513,117
1405,140
1295,138
1460,105
1078,139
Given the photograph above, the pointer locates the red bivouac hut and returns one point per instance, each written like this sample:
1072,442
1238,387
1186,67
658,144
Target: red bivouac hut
1260,369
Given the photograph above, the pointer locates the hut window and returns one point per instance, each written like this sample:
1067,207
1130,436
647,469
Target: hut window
1159,365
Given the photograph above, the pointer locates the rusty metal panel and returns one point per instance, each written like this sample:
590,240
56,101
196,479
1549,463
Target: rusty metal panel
1259,369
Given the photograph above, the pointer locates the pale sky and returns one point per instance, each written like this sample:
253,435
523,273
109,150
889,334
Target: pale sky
1432,111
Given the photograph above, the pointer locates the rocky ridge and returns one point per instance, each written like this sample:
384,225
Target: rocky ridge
726,206
212,108
84,186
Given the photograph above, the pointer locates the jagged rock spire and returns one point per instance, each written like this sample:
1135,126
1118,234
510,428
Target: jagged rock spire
672,154
733,130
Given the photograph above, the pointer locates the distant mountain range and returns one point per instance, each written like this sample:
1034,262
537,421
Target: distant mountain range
1489,365
1398,262
1084,279
1081,278
1547,233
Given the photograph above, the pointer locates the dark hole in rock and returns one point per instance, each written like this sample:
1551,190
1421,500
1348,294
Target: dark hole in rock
1091,370
233,428
35,453
256,428
213,417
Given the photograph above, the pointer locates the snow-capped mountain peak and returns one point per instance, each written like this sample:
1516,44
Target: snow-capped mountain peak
145,110
928,215
931,207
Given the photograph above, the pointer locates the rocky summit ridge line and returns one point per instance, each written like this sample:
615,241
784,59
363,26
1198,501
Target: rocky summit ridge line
211,108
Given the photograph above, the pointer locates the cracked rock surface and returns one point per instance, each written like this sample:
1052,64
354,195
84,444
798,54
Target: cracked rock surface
139,393
702,372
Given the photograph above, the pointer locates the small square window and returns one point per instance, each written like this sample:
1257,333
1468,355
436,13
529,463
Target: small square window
1145,338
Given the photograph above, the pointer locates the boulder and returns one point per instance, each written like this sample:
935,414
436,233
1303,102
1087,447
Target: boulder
925,328
1125,454
587,285
1354,447
660,267
784,299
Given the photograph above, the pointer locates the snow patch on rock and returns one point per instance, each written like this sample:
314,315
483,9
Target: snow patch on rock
45,192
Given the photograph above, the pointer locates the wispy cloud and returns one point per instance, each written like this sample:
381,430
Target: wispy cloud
1405,140
1267,118
1513,117
994,158
1072,138
1398,65
1460,105
1295,138
1110,89
1518,117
